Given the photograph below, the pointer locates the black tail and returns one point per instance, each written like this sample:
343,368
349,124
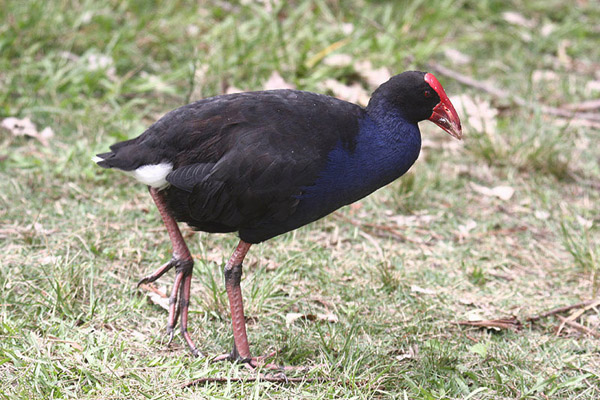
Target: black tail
103,159
125,155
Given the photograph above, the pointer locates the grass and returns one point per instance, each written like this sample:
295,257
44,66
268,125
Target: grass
76,238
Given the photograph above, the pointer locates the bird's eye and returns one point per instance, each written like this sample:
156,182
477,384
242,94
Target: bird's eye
427,93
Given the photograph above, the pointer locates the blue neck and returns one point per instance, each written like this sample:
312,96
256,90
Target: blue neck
386,147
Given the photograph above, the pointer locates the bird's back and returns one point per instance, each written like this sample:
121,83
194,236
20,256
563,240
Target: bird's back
233,162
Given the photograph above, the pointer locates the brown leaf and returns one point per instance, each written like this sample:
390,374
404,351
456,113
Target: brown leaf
588,105
353,94
457,57
290,318
412,220
502,192
465,229
592,87
275,81
25,127
418,289
544,76
478,112
412,353
232,90
515,18
338,60
157,296
373,76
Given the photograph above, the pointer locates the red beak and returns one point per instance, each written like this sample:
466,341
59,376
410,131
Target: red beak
444,115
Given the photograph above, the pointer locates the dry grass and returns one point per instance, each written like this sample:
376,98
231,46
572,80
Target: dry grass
398,270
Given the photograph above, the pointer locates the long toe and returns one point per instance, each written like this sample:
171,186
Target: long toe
159,272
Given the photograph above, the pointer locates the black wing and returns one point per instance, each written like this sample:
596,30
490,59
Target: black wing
239,159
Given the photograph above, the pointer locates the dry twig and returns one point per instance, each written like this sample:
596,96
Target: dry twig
584,105
383,231
503,323
578,326
260,377
154,289
563,309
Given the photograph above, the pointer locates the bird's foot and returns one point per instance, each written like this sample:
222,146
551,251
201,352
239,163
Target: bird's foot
260,362
252,362
179,298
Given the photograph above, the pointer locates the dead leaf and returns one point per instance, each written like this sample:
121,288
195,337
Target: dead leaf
547,29
338,60
412,353
275,81
98,61
290,318
25,127
268,5
232,89
588,105
593,321
457,57
542,75
347,28
417,289
502,192
585,223
192,30
464,229
46,134
157,296
156,82
38,229
412,220
374,76
353,94
49,259
479,113
515,18
592,87
101,62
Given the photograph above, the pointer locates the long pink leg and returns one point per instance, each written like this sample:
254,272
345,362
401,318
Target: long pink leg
233,276
184,264
241,348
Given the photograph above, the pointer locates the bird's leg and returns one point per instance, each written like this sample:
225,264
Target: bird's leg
241,348
233,276
179,299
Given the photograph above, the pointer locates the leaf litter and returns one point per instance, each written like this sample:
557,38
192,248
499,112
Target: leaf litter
26,127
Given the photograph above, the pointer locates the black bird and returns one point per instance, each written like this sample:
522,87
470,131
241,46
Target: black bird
265,163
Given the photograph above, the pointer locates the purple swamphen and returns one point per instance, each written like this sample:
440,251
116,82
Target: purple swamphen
265,163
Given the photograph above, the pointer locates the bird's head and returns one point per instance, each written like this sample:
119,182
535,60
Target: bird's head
419,96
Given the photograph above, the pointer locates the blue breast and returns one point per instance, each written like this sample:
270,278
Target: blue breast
383,152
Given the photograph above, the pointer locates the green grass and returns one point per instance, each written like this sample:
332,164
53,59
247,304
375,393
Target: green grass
75,239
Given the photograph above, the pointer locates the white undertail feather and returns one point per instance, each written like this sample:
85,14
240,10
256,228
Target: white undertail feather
153,175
